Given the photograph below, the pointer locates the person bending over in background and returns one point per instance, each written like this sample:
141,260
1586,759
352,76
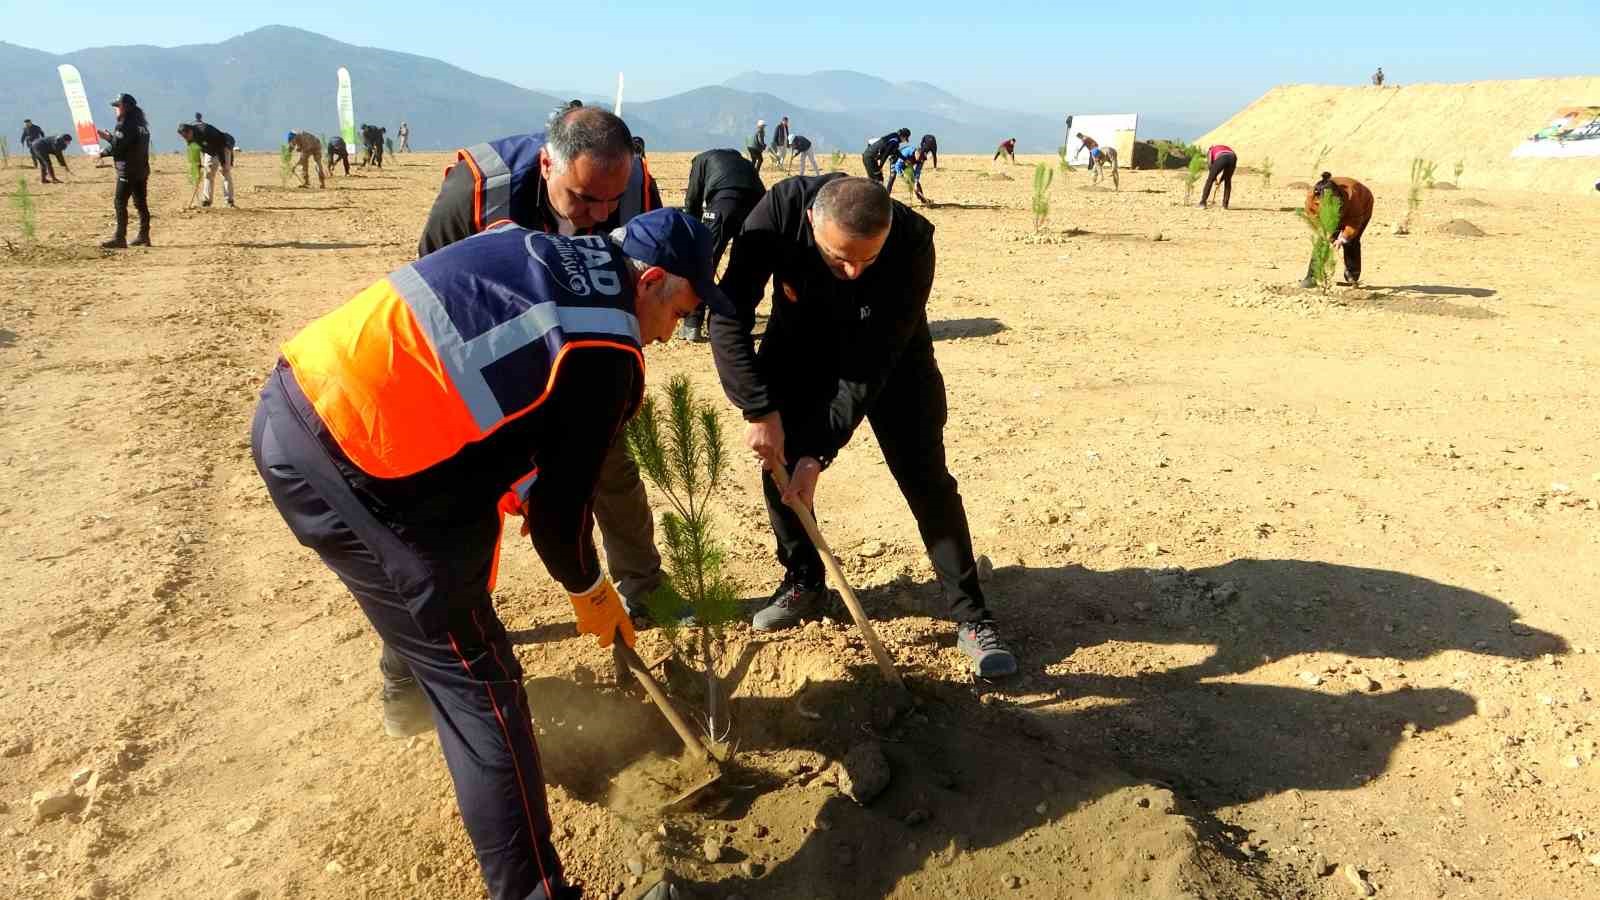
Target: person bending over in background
1355,211
1008,149
1223,162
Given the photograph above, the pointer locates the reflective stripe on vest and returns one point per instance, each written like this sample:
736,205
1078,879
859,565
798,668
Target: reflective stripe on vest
399,384
502,168
491,178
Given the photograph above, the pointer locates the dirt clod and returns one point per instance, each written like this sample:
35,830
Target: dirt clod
864,772
1357,882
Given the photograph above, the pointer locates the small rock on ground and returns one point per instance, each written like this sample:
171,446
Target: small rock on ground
864,772
713,850
1358,884
1010,882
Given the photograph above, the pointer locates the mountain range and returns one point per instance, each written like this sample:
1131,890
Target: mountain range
263,83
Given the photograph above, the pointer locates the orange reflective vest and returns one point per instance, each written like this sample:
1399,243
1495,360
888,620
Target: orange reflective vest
442,352
506,167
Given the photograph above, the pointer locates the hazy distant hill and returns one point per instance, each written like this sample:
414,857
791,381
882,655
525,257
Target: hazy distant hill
260,84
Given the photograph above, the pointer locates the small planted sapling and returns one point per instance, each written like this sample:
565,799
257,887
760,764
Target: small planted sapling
1192,174
5,153
285,165
22,202
1042,176
1266,172
1460,167
1064,164
193,154
1419,174
1324,225
1163,153
679,448
837,161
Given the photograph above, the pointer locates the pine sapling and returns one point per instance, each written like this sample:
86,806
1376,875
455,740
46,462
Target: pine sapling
1163,153
5,153
1428,167
837,161
1064,165
1414,195
1460,167
1323,228
194,164
1191,175
680,449
1042,176
285,165
22,202
1266,172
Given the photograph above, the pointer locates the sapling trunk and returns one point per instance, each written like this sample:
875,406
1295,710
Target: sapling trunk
1063,165
680,450
1266,172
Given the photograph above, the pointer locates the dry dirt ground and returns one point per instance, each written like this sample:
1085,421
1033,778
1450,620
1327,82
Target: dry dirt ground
1302,585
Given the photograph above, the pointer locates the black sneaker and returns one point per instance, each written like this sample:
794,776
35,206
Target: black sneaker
790,604
990,656
115,243
405,711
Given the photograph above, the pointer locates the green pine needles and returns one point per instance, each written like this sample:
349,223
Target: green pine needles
1193,173
679,448
5,153
1266,172
194,164
27,216
837,161
1064,165
285,165
1460,167
1042,176
1421,175
1323,227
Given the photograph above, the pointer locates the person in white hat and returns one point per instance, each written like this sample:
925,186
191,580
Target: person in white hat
757,144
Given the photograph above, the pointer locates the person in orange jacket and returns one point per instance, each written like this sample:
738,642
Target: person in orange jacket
1355,211
391,430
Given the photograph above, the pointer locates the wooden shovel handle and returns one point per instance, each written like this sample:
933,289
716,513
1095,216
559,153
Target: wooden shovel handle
780,477
686,732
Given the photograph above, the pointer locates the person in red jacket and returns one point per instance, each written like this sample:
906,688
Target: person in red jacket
1008,149
1223,161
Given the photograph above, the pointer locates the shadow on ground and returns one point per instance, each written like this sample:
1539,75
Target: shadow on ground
951,329
312,245
974,770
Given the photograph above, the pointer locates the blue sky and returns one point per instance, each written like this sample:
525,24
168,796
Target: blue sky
1183,62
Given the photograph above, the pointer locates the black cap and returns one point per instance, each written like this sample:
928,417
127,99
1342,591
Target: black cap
124,100
670,239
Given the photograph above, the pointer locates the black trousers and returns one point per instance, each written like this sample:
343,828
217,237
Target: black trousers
135,190
1352,261
755,157
908,419
725,216
1222,167
873,165
463,661
339,155
41,161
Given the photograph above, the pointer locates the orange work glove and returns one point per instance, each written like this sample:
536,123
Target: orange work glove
600,613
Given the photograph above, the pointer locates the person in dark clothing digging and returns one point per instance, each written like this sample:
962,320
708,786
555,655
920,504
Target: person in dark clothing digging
338,151
1223,161
723,187
881,151
930,146
43,149
848,339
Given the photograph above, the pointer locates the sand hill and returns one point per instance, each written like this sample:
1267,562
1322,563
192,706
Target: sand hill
1376,132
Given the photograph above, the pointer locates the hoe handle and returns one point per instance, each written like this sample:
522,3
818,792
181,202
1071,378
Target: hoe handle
686,732
831,563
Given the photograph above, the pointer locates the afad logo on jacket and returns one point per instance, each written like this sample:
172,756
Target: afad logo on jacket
583,263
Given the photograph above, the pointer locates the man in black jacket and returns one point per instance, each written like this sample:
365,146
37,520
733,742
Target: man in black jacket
930,147
723,187
881,151
338,152
847,340
217,146
44,148
372,140
130,148
30,133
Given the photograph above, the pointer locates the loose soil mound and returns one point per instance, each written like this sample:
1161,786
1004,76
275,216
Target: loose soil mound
1462,228
1376,132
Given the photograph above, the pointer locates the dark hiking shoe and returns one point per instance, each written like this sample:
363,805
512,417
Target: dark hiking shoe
790,604
205,204
990,656
1308,282
142,240
659,884
115,243
405,711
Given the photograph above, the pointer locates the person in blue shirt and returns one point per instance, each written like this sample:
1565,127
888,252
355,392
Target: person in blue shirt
908,158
